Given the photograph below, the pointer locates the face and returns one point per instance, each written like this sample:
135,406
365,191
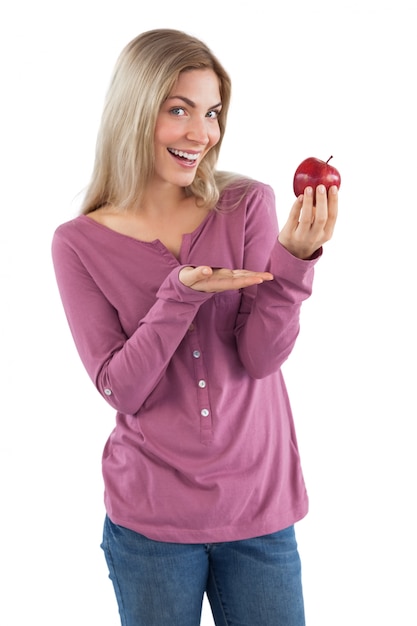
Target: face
187,127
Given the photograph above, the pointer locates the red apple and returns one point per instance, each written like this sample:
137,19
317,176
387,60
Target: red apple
312,172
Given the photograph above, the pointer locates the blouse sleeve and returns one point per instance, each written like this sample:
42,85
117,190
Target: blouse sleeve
124,369
269,318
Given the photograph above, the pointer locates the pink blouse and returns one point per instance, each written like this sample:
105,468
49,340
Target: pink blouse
204,447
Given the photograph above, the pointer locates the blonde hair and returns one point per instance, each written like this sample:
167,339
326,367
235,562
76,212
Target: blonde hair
144,75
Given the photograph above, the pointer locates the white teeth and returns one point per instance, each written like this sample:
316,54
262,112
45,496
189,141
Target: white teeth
185,155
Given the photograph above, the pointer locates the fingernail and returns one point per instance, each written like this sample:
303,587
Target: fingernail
321,189
308,191
333,189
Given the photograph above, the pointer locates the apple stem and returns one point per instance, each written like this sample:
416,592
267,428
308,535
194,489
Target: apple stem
329,159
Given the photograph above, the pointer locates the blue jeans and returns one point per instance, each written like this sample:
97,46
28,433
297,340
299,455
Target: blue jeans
254,582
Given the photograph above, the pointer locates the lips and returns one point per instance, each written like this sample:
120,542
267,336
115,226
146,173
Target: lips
188,158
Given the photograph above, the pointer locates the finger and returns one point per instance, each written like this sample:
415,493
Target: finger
238,280
223,279
295,212
333,205
249,274
307,210
321,212
333,201
190,275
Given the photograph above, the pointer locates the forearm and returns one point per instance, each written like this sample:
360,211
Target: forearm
267,332
131,373
125,365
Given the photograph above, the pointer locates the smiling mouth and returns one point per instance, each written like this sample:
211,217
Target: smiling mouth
181,154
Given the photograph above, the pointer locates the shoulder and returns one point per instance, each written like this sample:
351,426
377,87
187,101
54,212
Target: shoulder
248,194
67,229
71,237
78,230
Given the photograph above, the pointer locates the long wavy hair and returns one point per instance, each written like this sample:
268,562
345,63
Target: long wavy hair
145,73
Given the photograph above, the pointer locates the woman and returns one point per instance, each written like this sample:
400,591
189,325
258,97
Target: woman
183,300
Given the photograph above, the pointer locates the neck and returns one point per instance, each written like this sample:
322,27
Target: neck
162,198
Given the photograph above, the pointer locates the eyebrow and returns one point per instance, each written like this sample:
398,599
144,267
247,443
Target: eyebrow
191,103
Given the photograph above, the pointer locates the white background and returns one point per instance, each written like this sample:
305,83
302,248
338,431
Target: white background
310,79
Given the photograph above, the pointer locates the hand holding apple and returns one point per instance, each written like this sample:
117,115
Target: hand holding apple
313,172
311,221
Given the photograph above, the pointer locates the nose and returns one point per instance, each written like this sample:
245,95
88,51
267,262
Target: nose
197,130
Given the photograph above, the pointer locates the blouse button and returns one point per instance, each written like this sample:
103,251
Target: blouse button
202,383
205,412
196,354
107,392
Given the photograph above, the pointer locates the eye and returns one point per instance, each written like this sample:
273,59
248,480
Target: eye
213,114
177,111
